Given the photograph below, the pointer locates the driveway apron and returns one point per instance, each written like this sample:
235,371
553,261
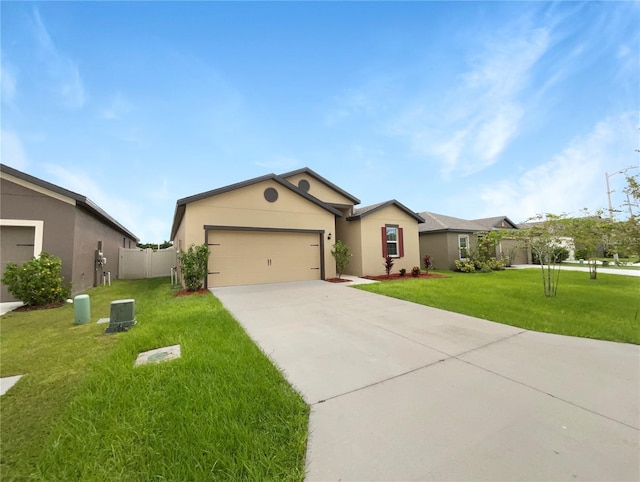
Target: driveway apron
400,391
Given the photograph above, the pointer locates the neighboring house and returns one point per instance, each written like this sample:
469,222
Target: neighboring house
447,239
282,228
37,216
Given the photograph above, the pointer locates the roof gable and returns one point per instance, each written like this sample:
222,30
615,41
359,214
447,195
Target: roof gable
366,210
182,203
311,173
497,222
80,200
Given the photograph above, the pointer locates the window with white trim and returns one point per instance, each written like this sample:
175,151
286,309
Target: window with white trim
463,246
392,241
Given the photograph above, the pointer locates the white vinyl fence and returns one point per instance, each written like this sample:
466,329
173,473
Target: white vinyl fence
146,263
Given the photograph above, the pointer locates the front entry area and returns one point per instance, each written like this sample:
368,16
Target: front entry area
241,257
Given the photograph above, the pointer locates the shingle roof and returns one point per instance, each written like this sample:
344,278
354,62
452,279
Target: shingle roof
496,222
81,200
439,222
366,210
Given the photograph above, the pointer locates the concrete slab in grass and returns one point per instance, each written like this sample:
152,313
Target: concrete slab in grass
7,382
158,355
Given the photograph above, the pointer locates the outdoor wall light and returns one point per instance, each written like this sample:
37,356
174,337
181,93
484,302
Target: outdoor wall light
329,237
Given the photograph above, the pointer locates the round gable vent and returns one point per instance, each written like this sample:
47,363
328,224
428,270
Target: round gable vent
304,185
270,194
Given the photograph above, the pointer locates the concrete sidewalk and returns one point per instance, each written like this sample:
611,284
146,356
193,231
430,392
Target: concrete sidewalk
585,268
401,391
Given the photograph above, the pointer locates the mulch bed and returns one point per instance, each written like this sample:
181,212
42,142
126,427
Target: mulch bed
396,276
189,293
42,307
338,280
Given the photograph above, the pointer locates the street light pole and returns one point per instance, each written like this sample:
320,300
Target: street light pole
609,191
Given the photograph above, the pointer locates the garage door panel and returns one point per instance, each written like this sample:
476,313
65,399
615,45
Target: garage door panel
16,246
253,257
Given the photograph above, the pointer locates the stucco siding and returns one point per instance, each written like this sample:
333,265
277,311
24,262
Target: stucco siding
247,207
372,260
436,246
349,232
320,190
57,213
88,231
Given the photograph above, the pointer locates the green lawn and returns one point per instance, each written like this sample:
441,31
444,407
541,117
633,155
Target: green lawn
607,308
83,412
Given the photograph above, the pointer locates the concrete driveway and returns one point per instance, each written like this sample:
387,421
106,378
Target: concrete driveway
400,391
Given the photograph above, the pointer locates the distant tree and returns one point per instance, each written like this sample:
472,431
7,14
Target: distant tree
342,255
590,232
163,245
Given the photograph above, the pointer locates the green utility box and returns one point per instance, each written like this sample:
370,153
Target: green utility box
123,316
81,309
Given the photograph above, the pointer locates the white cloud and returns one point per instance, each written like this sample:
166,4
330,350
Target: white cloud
13,153
88,184
63,76
485,108
572,179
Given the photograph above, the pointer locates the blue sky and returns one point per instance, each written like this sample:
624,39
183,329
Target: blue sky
466,109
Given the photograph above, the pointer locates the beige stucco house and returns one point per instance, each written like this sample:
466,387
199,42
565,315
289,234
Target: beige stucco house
282,228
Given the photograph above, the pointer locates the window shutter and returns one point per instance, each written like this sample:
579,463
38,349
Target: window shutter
384,242
400,243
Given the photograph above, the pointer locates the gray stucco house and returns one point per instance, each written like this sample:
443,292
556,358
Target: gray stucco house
37,216
447,239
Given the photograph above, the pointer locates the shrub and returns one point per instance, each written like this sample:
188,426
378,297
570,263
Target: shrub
403,271
342,254
559,253
194,266
465,266
581,253
415,271
388,264
37,282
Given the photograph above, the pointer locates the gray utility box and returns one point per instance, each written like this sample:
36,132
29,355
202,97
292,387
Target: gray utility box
123,316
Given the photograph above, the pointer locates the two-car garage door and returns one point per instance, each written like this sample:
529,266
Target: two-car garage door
239,257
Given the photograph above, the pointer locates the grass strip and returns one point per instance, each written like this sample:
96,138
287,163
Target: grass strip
607,308
221,411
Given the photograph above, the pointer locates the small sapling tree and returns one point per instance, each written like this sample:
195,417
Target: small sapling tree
544,237
194,266
388,264
342,255
427,263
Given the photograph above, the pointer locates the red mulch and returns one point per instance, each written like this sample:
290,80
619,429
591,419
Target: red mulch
396,276
338,280
189,293
42,307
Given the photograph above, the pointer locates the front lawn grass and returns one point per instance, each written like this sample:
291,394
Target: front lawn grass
83,412
607,308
